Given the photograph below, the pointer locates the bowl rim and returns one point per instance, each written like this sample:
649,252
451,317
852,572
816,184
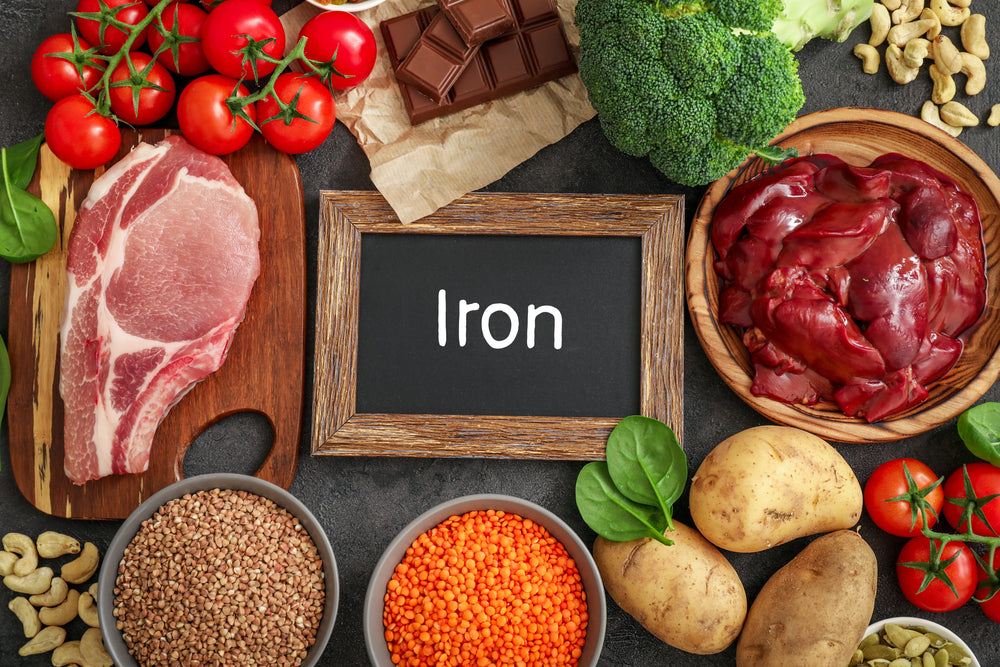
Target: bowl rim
942,630
113,641
824,420
351,7
378,652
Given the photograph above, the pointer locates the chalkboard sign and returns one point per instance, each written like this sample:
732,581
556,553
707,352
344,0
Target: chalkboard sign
503,325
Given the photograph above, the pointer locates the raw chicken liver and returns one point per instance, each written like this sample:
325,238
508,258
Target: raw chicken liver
852,284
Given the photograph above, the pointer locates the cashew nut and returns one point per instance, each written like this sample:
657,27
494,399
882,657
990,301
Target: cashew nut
55,595
946,55
904,32
67,654
944,85
892,5
959,115
23,546
915,51
26,614
52,544
907,11
92,648
7,560
35,583
949,14
898,69
87,609
973,34
46,640
930,113
83,567
880,24
63,613
975,71
935,29
994,118
870,59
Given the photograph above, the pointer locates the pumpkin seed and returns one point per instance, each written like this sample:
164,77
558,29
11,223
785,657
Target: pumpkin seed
916,646
881,651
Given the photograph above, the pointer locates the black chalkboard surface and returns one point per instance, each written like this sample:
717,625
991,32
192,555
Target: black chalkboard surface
505,325
502,325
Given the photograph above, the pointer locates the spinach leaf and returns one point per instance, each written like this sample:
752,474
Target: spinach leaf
979,428
609,513
28,228
20,161
647,463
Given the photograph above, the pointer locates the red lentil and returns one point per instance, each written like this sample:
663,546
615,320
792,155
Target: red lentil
485,588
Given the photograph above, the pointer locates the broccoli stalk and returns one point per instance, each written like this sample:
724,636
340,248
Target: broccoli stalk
802,20
695,85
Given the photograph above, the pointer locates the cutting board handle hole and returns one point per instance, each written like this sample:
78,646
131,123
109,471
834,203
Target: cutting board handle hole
238,443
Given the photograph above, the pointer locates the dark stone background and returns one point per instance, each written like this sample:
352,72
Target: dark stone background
362,502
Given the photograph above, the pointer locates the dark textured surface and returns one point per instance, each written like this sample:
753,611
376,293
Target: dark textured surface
362,502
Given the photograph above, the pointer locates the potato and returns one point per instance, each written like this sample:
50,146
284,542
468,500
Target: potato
688,594
772,484
814,610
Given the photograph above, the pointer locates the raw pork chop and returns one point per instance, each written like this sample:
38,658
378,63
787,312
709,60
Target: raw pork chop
161,261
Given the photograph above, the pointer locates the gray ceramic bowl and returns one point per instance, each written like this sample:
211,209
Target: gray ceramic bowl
378,651
911,621
113,640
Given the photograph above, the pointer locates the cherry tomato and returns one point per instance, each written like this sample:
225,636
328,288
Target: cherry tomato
990,606
99,32
180,57
153,3
212,4
207,121
956,562
78,135
55,76
345,43
985,482
224,34
154,83
889,481
290,134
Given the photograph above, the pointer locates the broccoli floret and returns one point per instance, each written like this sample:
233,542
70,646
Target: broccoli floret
799,22
695,85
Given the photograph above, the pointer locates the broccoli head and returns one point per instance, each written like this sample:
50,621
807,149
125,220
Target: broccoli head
695,85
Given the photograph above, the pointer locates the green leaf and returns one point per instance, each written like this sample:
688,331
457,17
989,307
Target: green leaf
27,226
979,428
609,513
19,161
647,463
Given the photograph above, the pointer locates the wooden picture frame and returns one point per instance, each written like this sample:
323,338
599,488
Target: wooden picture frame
338,429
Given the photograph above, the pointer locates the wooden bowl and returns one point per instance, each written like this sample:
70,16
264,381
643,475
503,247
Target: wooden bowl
857,136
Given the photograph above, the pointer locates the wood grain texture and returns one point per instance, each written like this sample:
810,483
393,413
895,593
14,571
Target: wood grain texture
344,216
263,372
858,136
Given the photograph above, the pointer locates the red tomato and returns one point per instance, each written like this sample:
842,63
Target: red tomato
291,134
887,501
212,4
224,35
78,135
186,58
954,561
984,479
94,29
205,118
991,606
153,3
154,83
342,46
57,77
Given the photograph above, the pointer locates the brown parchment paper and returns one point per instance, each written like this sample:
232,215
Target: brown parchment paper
420,169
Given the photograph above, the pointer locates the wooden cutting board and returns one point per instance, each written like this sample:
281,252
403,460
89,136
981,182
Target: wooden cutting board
263,372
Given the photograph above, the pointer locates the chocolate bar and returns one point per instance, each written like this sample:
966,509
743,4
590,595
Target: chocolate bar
437,59
477,20
532,53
